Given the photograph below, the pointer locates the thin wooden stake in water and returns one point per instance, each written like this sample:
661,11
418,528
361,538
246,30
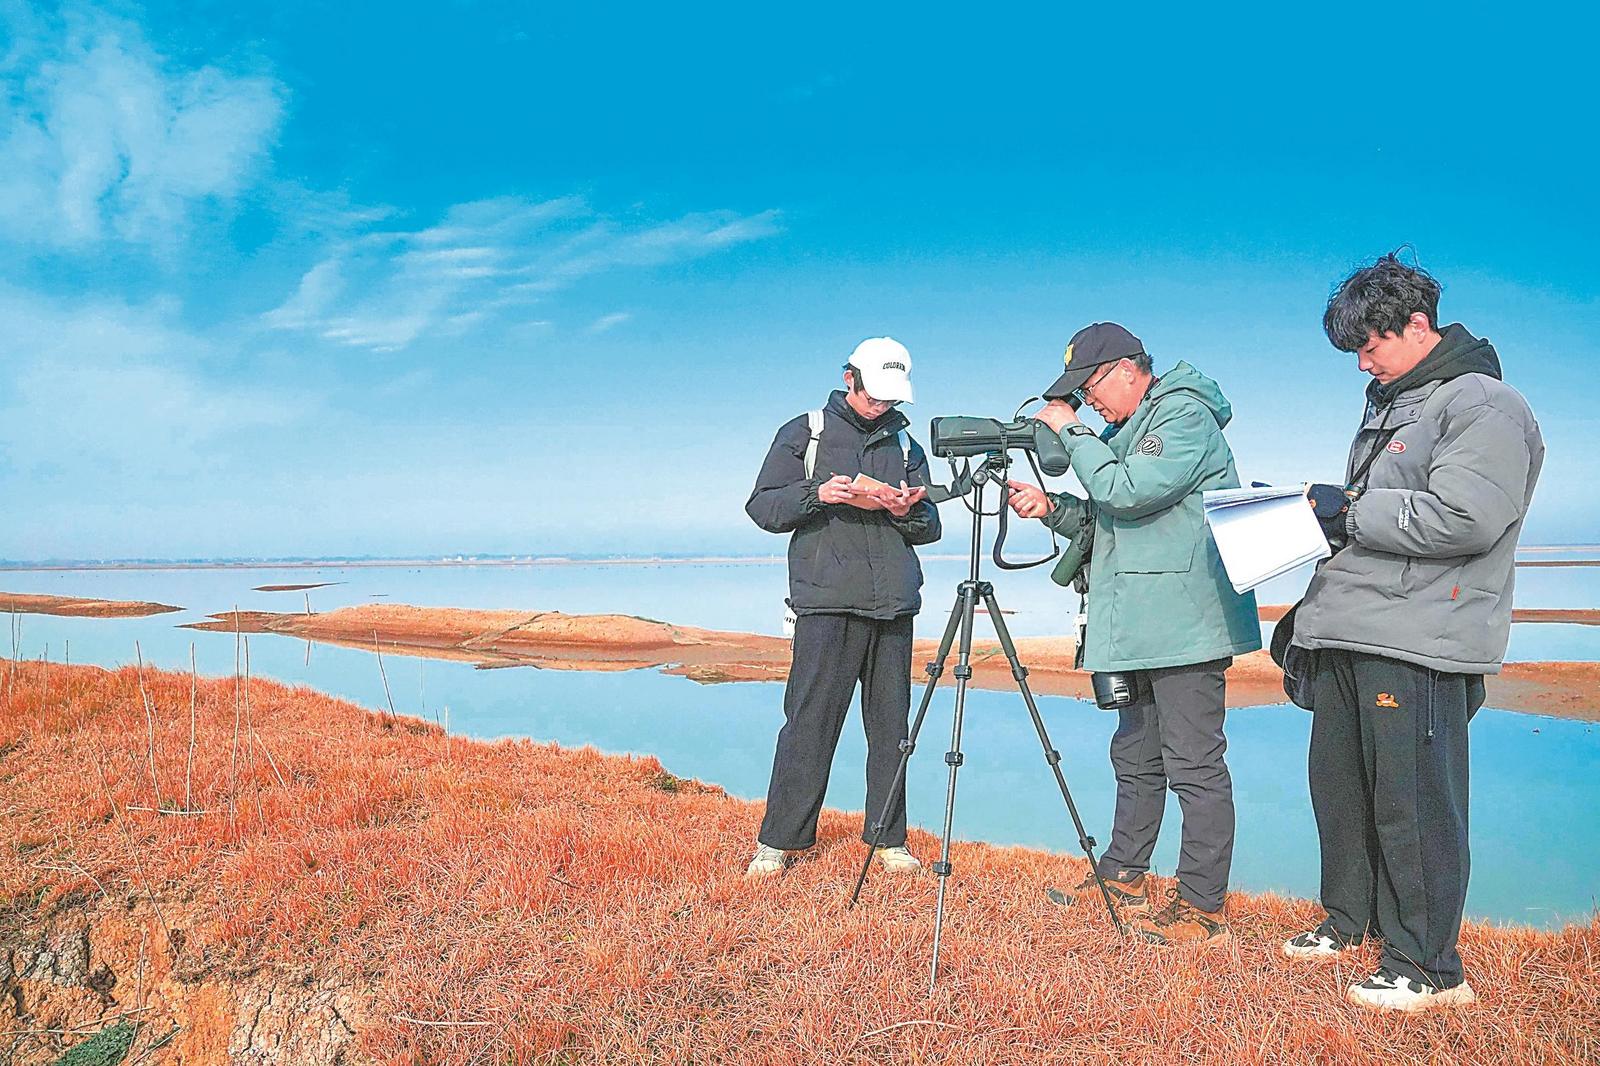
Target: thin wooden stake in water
384,675
11,670
308,603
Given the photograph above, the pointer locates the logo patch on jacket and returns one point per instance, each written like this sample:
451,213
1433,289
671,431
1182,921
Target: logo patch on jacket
1386,700
1149,445
1397,446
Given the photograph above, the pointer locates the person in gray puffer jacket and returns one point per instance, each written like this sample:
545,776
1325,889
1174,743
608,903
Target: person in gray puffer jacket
1402,623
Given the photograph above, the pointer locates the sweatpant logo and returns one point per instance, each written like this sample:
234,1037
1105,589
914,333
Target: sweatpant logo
1386,700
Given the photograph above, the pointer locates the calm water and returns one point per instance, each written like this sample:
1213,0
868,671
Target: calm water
1535,790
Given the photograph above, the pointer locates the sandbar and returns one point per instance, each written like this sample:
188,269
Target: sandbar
553,640
78,607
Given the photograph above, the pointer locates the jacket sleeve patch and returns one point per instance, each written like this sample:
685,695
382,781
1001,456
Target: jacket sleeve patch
1149,444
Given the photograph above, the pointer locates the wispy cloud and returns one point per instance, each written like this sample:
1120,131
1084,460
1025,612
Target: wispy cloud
103,137
611,321
384,288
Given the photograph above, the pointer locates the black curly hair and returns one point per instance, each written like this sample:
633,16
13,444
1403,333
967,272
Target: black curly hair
1380,299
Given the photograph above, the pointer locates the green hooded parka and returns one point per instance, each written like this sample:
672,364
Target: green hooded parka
1158,595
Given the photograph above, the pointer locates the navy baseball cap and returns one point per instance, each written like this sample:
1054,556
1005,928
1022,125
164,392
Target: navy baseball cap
1092,347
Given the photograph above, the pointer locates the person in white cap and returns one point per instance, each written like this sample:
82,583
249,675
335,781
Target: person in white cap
848,484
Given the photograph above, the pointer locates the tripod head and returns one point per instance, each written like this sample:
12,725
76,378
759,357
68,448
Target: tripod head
969,480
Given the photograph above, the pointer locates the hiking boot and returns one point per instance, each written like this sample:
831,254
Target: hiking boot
1131,896
1387,990
1181,922
898,860
768,862
1323,942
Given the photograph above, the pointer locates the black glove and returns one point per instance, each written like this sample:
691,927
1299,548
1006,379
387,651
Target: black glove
1331,504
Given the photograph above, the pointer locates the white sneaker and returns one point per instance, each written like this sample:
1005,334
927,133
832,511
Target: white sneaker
1323,942
1387,990
768,861
898,860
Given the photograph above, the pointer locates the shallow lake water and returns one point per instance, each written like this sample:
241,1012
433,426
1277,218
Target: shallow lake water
1535,785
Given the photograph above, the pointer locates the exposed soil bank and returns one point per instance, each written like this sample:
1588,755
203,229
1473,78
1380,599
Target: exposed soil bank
347,887
76,607
553,640
295,588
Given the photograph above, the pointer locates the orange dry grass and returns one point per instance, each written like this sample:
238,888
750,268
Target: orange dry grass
591,908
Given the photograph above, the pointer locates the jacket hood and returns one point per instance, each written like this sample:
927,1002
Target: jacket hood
891,421
1185,378
1457,353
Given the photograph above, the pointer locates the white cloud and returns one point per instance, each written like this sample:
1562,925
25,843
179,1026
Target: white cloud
605,322
103,137
385,288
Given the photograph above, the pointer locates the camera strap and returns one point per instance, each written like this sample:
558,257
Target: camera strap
1358,483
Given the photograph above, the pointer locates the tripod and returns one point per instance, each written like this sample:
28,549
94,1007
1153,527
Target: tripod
968,593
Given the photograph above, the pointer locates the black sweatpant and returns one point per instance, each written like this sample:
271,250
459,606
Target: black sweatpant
1171,736
832,652
1389,787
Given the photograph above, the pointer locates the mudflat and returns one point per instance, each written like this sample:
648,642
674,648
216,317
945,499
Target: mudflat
77,607
553,640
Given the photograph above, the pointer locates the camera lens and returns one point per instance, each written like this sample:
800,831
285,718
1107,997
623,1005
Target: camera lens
1112,691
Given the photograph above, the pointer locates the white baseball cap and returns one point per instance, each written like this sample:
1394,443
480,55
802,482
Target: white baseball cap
885,368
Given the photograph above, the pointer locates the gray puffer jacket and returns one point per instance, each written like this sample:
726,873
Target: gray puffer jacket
1428,575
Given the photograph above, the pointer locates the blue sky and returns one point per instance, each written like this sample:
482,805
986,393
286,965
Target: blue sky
473,277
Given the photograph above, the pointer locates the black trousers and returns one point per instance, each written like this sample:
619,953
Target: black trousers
1171,736
1389,788
832,652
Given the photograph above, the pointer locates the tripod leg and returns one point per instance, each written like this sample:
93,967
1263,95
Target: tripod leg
1051,756
909,745
953,758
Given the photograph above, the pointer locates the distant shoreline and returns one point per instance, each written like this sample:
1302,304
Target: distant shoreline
352,564
558,560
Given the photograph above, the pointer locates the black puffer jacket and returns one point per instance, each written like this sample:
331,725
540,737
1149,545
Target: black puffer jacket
843,560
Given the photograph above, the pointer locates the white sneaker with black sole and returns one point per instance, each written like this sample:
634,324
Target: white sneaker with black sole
1323,942
1387,990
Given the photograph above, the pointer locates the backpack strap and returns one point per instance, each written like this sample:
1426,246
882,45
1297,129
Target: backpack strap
815,419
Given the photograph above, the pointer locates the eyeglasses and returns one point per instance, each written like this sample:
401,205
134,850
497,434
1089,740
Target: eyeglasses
885,403
1088,387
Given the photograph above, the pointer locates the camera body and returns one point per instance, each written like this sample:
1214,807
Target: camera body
955,436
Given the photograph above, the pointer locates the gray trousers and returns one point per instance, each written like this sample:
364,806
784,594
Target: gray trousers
1171,737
